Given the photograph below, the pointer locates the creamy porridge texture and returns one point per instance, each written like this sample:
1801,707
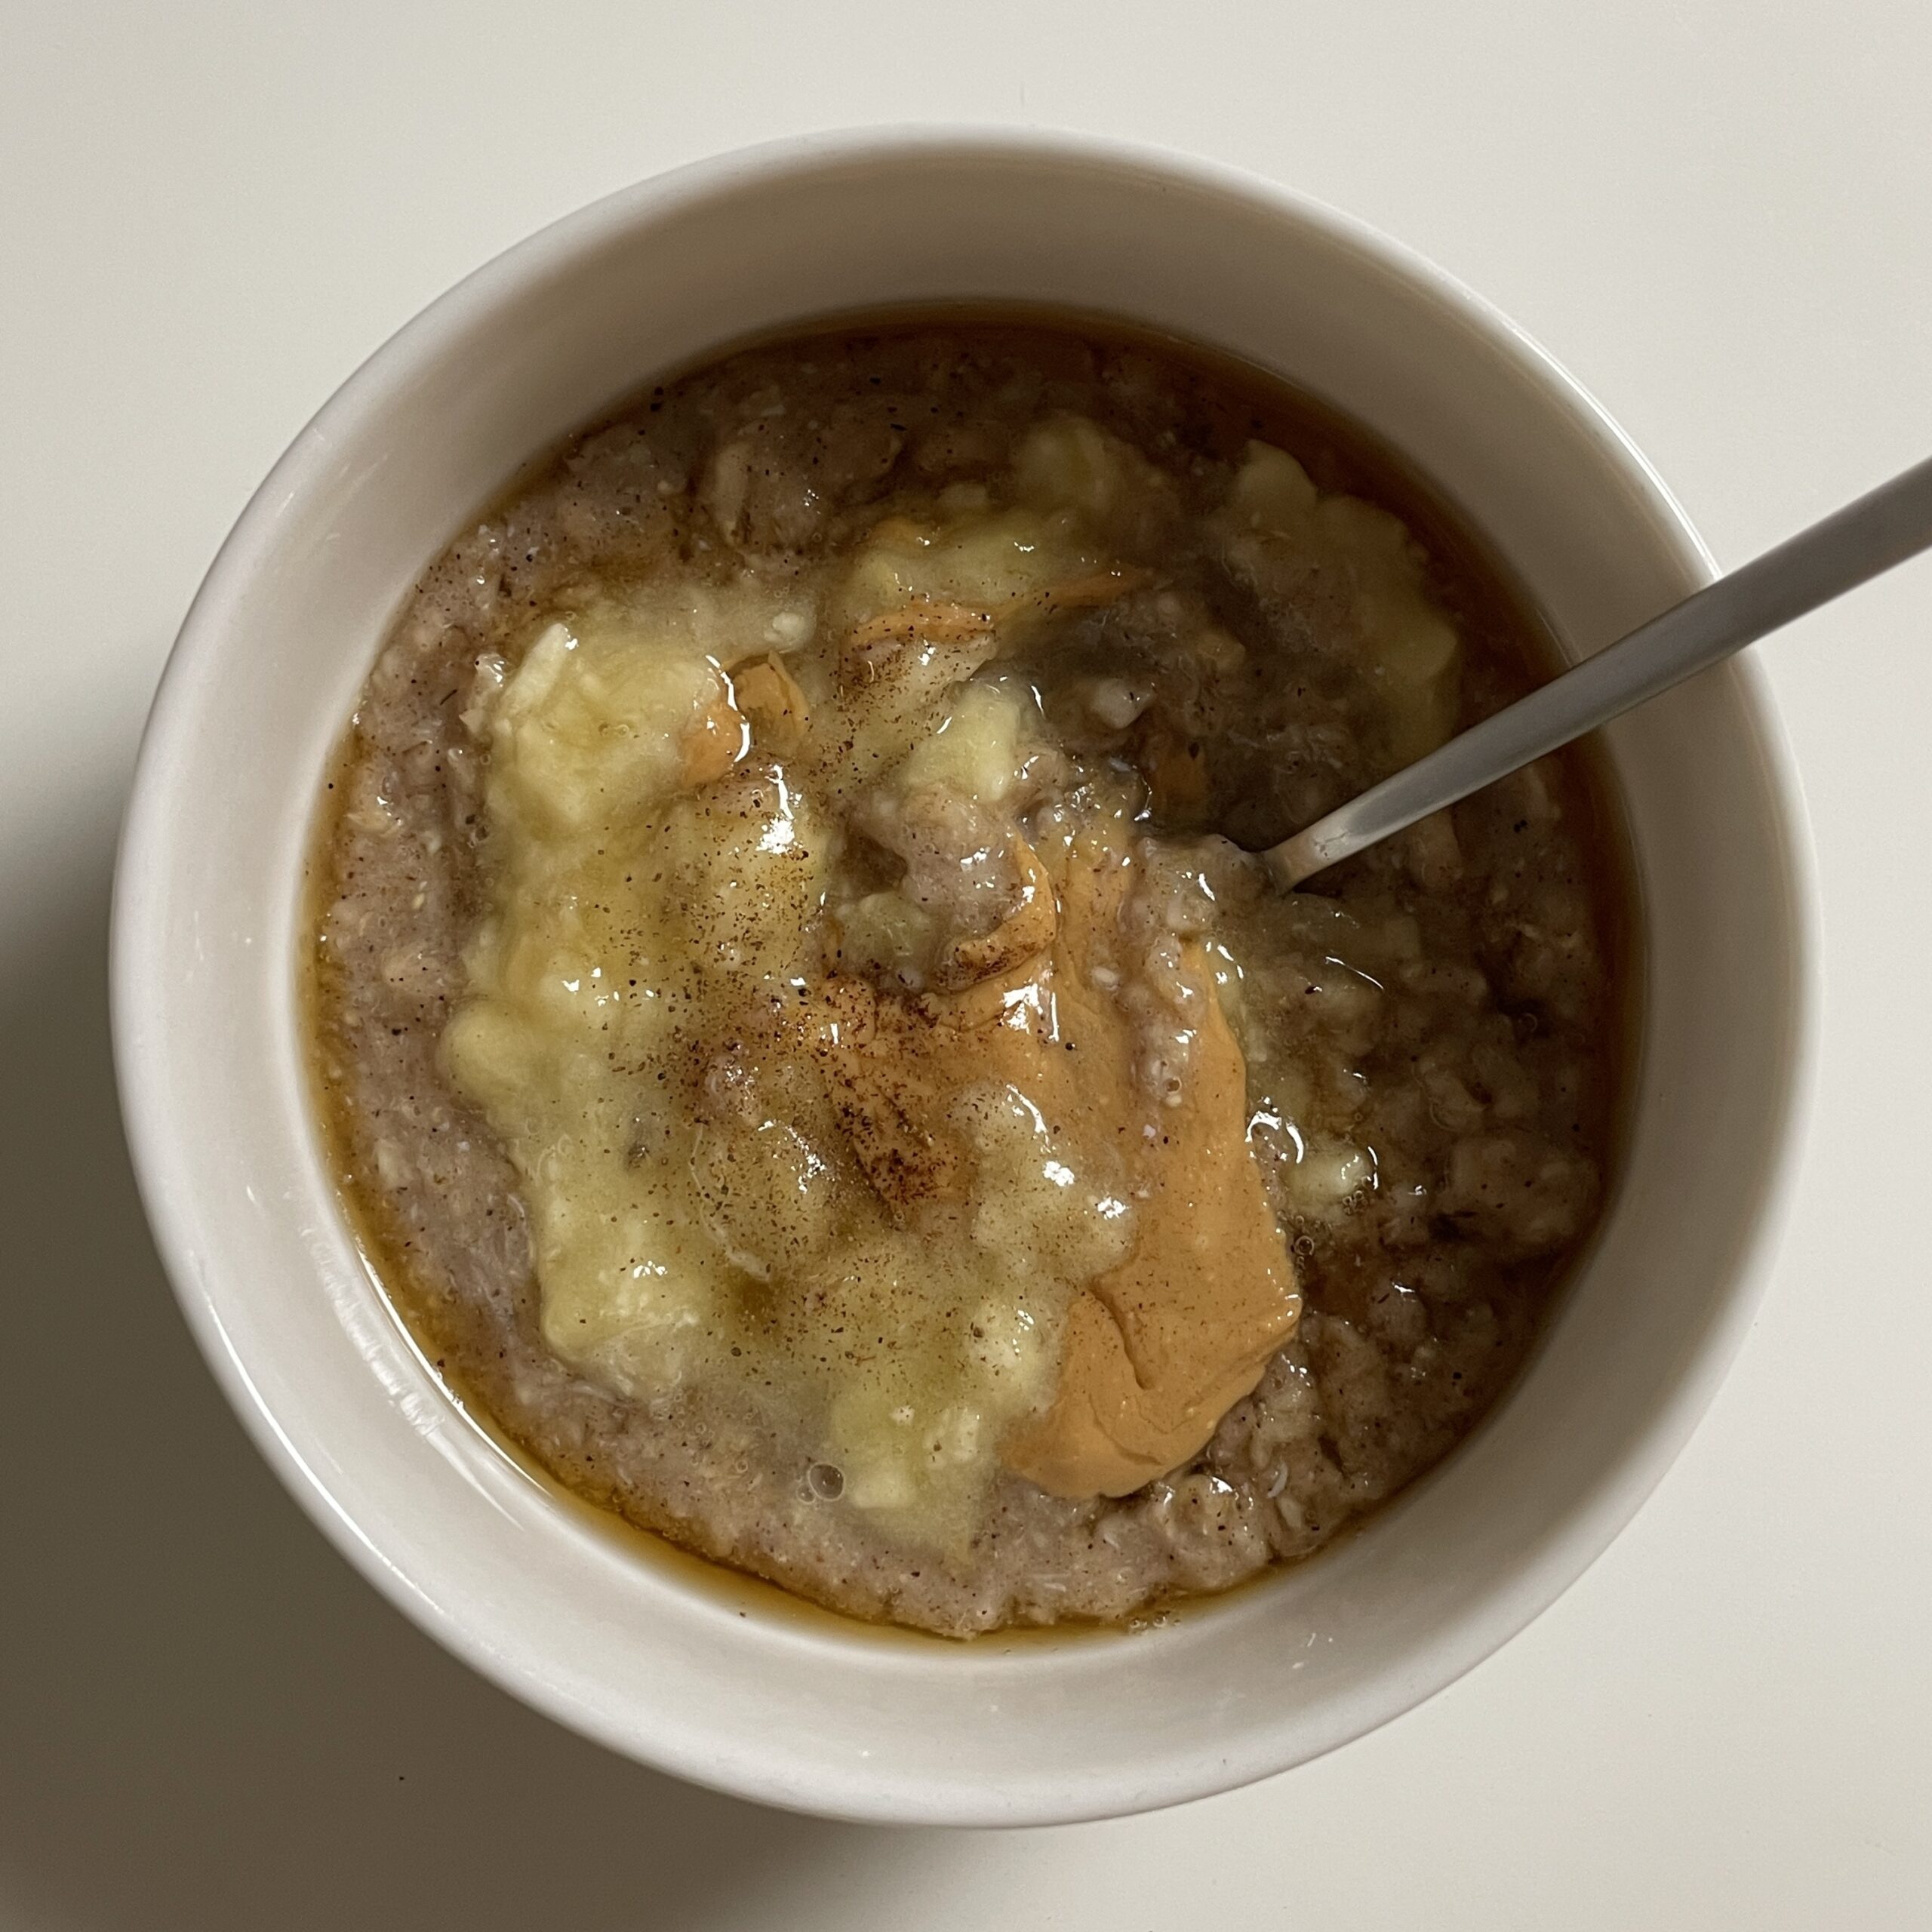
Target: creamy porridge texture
806,1044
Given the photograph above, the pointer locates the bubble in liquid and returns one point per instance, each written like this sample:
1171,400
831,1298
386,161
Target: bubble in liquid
826,1481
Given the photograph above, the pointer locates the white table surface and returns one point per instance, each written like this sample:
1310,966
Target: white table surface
1718,213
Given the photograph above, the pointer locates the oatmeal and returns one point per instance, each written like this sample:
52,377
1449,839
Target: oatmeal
807,1044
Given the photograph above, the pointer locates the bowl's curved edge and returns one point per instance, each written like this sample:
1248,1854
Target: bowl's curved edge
137,911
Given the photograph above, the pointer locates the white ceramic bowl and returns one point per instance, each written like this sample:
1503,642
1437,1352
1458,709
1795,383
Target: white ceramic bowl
804,1712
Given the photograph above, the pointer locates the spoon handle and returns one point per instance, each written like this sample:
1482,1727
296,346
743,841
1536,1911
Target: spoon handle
1855,543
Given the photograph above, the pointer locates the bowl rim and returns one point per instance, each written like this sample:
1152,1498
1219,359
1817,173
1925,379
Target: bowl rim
138,912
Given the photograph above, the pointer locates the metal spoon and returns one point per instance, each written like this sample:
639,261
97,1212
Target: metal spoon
1855,543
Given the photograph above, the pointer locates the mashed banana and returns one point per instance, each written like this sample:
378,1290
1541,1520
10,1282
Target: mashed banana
925,1190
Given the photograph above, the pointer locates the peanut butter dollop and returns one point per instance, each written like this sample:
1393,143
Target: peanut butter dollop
1156,1349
